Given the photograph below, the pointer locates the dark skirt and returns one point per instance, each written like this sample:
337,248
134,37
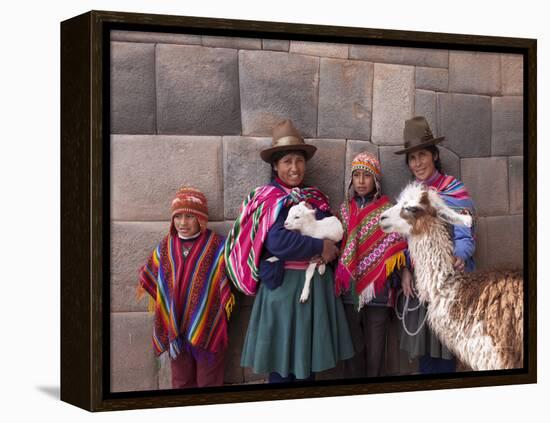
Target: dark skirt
290,337
425,342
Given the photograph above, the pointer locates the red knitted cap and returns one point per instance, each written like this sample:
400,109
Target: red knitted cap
191,200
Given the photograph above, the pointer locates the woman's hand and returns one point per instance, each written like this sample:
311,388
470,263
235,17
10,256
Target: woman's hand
330,251
406,283
459,264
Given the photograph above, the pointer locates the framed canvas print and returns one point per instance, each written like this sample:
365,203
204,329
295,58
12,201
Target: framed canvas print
211,167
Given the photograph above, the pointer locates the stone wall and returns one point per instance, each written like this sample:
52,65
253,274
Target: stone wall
189,109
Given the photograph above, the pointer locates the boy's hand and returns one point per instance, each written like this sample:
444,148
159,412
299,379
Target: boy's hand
406,283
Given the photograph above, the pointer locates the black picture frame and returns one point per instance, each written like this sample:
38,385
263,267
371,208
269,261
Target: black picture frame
85,192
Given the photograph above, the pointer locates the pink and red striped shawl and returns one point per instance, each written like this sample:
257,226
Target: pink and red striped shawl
258,212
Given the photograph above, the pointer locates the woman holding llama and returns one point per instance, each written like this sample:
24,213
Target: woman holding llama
287,339
369,268
422,158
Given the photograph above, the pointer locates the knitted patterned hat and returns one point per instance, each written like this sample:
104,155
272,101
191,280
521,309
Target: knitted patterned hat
192,201
368,162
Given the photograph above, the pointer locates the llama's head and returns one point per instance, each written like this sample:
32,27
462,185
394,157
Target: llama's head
298,215
416,210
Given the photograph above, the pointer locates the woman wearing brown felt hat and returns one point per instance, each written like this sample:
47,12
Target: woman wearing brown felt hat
286,338
423,160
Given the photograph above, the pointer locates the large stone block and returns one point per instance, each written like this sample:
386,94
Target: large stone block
232,42
396,174
335,50
133,363
147,171
277,86
474,72
276,45
393,102
165,371
450,162
486,179
512,74
131,245
465,122
401,55
505,242
515,173
325,169
244,170
425,104
197,90
345,99
507,135
133,88
353,148
221,228
155,37
436,79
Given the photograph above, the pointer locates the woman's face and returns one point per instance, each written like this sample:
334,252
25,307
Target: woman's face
291,169
363,182
186,224
422,164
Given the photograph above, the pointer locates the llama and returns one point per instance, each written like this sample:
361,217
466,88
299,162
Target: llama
301,218
479,315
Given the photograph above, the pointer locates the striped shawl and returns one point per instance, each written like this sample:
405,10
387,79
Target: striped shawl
192,297
258,212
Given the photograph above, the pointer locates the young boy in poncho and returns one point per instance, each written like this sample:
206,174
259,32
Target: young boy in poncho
371,265
190,294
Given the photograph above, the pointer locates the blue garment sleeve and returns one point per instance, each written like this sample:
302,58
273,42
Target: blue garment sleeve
464,242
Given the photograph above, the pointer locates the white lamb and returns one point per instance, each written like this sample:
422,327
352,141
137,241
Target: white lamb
302,218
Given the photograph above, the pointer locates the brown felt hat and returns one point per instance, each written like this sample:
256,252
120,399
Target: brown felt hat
287,138
418,135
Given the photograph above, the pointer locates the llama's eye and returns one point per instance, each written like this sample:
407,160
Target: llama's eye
412,209
295,217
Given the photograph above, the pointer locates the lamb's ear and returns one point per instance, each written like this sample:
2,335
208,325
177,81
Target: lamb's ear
446,213
306,205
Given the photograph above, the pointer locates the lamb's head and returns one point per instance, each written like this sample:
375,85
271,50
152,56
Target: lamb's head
298,216
416,210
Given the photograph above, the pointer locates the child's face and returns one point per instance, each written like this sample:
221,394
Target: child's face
363,182
186,224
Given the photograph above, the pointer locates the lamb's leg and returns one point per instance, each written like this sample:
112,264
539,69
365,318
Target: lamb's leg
309,274
321,268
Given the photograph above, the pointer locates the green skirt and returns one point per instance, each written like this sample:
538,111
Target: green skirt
290,337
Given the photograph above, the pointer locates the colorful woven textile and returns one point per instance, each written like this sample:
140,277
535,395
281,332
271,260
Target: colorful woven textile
192,296
258,212
452,191
369,255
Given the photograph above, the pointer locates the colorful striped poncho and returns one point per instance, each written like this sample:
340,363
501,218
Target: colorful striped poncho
369,255
192,296
258,212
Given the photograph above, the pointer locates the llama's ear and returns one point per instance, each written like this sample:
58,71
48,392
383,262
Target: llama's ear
307,205
455,218
446,213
